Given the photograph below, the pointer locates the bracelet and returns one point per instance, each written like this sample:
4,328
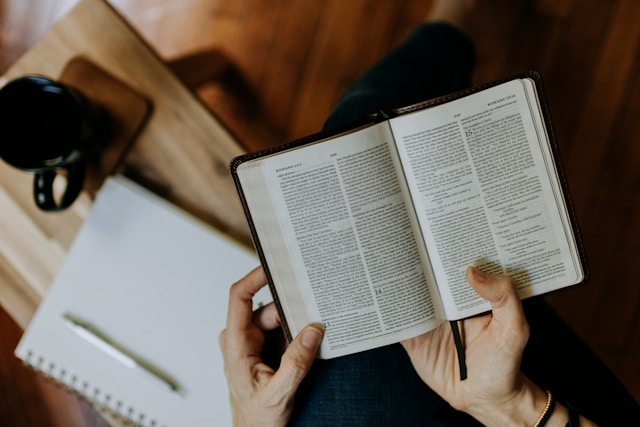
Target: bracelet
548,410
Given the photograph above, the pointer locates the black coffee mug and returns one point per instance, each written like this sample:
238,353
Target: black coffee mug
50,129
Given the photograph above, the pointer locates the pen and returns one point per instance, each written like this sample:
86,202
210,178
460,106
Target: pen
91,334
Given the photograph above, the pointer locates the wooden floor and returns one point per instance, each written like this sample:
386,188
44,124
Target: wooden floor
297,57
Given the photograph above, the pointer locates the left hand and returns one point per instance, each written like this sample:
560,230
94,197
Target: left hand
260,395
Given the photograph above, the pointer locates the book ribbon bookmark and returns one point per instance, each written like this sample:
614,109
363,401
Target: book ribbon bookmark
457,339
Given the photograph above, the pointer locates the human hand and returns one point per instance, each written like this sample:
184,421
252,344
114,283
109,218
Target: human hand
495,391
259,394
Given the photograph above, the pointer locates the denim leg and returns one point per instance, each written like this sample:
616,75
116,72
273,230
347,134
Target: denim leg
436,59
380,387
556,358
373,388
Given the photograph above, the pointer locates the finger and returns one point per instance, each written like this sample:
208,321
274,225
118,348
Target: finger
499,291
297,359
267,317
240,312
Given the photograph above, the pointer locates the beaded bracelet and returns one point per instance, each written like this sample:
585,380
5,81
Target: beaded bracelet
548,410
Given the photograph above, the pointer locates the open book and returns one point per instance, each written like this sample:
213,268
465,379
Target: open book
370,231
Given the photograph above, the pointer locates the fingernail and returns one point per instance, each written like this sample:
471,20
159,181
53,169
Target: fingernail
311,337
479,275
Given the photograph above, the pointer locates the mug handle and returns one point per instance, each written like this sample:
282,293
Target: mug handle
43,187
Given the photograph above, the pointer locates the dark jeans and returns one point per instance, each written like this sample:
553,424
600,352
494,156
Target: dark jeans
435,60
380,387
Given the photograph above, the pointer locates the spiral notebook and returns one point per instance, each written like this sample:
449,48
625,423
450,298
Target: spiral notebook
155,281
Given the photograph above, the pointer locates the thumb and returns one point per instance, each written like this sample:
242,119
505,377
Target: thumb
298,358
499,291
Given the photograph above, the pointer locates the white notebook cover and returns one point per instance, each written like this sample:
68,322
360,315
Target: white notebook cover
156,281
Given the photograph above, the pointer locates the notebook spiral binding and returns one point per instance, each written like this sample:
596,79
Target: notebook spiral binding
101,401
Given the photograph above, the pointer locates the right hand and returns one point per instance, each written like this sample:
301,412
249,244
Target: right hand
495,392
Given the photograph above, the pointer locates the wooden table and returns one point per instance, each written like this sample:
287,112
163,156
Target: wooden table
182,153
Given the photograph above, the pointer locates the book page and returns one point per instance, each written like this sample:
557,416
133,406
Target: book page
486,194
339,241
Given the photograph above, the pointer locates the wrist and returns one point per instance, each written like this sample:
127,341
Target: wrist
523,408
